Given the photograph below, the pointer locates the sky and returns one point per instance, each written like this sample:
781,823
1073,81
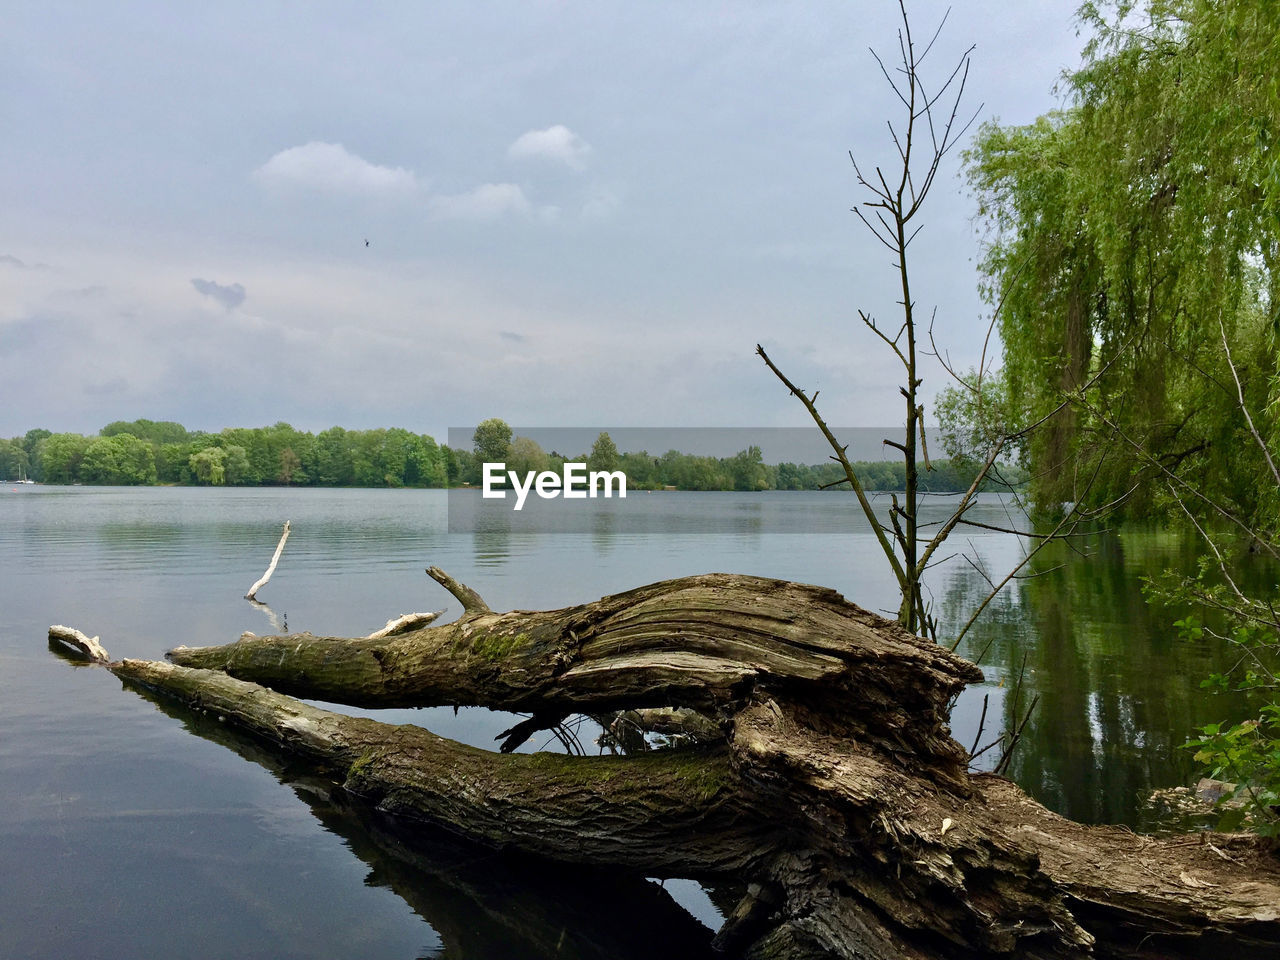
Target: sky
425,214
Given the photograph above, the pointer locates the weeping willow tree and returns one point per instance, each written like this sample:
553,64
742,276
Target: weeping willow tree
1134,253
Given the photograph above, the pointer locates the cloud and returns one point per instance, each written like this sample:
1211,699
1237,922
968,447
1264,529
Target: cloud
11,260
554,143
331,168
229,295
489,201
512,336
32,333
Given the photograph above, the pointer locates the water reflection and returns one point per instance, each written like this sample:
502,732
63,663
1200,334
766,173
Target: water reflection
1118,692
97,793
604,530
483,904
492,546
279,622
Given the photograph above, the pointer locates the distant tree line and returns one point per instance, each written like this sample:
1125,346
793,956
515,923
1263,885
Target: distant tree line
163,452
148,451
745,470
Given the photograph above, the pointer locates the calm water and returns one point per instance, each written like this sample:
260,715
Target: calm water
131,829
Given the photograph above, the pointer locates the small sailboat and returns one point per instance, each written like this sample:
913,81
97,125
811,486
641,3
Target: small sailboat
22,475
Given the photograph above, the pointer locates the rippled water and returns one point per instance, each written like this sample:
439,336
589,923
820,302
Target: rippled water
126,831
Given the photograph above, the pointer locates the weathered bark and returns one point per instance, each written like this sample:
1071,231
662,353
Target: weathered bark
829,793
404,623
708,643
480,903
668,815
78,645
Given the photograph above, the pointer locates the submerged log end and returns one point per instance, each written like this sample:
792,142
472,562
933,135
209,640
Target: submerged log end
77,644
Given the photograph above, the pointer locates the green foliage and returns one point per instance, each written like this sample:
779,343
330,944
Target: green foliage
235,464
396,457
974,420
1128,234
890,476
461,466
173,462
686,472
1242,752
60,455
426,466
207,466
120,459
604,454
290,468
31,444
1189,628
747,469
1135,257
155,432
491,440
525,455
335,458
1248,755
13,460
278,454
373,462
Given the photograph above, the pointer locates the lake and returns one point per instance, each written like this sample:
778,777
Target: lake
130,828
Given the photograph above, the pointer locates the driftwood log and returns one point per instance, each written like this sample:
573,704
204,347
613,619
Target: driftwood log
480,903
834,792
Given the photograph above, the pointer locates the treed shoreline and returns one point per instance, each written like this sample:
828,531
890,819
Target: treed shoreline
146,452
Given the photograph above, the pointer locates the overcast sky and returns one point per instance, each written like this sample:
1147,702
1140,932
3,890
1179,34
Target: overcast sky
575,213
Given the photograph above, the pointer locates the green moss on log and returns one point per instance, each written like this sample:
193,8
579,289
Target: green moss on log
495,647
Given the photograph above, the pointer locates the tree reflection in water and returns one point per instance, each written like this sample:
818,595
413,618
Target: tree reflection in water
1119,693
483,904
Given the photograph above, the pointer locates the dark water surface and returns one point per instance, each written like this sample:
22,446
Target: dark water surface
130,828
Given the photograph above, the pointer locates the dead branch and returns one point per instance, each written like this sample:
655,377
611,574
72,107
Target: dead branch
470,600
78,644
271,568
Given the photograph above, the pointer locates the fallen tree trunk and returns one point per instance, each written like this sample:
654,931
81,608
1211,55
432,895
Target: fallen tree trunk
481,904
836,793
